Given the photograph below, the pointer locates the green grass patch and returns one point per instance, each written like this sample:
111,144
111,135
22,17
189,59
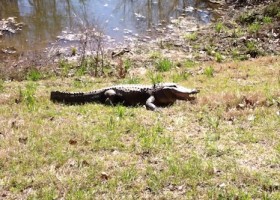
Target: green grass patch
219,27
65,67
247,18
267,20
180,76
237,33
27,96
155,77
164,65
218,57
252,49
209,71
127,64
254,27
189,63
191,36
34,75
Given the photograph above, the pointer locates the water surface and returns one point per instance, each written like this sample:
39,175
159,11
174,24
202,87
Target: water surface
46,19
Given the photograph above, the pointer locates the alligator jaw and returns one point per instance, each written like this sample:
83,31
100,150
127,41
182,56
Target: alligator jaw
182,93
180,89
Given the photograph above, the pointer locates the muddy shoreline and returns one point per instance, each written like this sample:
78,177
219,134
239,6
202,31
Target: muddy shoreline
242,33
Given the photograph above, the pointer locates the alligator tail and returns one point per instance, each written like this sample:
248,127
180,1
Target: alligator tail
73,98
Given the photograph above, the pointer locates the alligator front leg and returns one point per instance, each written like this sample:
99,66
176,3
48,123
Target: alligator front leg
150,103
110,97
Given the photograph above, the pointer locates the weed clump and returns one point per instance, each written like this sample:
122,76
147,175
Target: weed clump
65,67
219,27
254,27
164,65
267,20
252,49
219,57
27,96
190,36
34,75
127,64
247,18
73,51
209,71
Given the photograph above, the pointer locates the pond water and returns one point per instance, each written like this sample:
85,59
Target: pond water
46,19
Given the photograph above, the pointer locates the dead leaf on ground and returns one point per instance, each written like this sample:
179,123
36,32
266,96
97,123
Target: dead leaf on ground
73,142
104,176
85,163
23,140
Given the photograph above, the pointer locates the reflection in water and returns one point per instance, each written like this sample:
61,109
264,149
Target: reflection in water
45,19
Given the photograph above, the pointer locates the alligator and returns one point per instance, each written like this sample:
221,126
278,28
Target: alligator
153,96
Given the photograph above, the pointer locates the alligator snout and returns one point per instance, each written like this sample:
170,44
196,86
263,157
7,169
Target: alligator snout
195,91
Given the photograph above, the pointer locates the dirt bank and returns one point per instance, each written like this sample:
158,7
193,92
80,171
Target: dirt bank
246,30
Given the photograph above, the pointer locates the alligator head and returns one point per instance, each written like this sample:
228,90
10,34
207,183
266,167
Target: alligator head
173,92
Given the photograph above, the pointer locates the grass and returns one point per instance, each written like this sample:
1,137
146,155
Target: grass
210,149
219,27
267,20
65,67
270,13
164,64
27,96
180,76
237,32
252,49
191,36
218,57
209,71
189,63
34,75
273,10
247,18
127,64
254,27
155,77
73,51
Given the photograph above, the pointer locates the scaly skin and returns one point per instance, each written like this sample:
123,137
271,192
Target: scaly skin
163,94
